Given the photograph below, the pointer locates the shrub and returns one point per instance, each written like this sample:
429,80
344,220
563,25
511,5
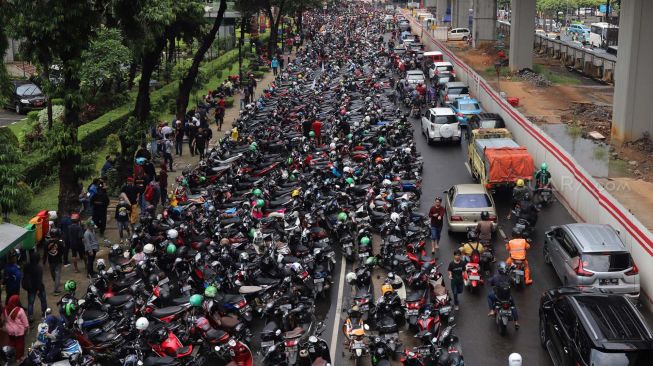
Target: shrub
27,194
57,115
258,74
113,144
33,116
57,101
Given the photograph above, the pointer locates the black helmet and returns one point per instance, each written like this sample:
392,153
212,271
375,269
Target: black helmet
485,215
182,252
54,232
502,267
8,354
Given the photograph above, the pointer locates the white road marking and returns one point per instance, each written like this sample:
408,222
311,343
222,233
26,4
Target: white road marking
336,319
503,235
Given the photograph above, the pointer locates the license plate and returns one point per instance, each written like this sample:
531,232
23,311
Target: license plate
520,226
267,344
285,307
318,280
38,103
474,278
185,288
445,309
519,272
364,255
412,312
292,348
609,281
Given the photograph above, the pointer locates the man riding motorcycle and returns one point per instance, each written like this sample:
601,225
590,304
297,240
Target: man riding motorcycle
484,228
519,192
517,248
500,283
543,176
467,249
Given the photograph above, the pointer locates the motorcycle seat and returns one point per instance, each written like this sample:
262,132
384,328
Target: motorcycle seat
119,299
245,290
439,290
229,322
104,337
159,361
265,281
270,327
425,258
217,169
291,259
183,351
89,315
278,203
377,213
401,258
297,332
414,296
231,298
231,220
181,300
361,293
167,311
215,335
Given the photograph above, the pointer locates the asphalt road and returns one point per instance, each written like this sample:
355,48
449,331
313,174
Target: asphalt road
8,117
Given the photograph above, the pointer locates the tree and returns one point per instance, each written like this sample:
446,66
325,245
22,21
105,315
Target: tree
272,7
10,173
297,9
187,82
61,30
4,77
247,9
105,61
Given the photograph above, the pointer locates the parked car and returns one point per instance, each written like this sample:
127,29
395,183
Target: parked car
592,255
415,77
459,34
26,96
452,91
579,29
465,108
399,50
464,204
440,124
439,67
588,327
485,120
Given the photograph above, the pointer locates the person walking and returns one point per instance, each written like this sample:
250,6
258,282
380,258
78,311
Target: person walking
100,204
436,214
219,116
33,284
12,275
53,253
132,192
123,209
15,323
167,151
241,96
275,65
179,138
199,143
76,235
64,224
456,269
91,247
192,131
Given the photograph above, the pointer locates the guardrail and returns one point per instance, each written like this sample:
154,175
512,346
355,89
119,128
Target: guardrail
576,188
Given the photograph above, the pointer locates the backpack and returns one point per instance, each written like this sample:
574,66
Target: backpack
149,193
476,255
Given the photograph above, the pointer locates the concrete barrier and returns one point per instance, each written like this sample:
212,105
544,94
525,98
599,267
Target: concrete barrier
579,191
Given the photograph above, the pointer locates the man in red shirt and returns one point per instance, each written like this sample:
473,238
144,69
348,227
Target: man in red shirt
317,128
436,214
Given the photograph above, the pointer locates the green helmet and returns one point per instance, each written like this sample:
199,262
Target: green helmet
253,146
350,180
365,240
257,192
350,136
289,161
342,216
292,177
171,249
311,134
381,140
251,232
260,203
70,286
196,300
210,291
202,179
69,308
371,261
544,167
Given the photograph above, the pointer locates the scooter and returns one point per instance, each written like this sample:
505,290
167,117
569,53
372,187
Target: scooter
472,276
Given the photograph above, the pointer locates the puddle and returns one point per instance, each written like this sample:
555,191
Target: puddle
593,156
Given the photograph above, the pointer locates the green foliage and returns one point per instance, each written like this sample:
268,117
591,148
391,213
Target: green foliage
60,144
57,115
57,101
258,74
26,195
229,102
32,116
106,60
113,144
86,168
10,174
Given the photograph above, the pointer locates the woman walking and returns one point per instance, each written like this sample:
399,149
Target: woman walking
14,322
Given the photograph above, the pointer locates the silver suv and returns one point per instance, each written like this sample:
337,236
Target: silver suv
593,256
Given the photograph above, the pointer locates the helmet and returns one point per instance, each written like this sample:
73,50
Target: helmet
378,160
347,169
148,249
350,181
8,353
210,291
100,264
289,161
386,183
171,249
381,140
364,240
252,146
257,192
54,232
172,234
311,134
544,167
70,286
342,216
196,300
142,323
514,359
69,308
386,288
371,261
485,215
260,203
502,267
332,146
350,136
295,193
520,182
140,161
391,276
351,277
244,256
394,217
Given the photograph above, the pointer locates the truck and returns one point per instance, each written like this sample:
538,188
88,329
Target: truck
496,160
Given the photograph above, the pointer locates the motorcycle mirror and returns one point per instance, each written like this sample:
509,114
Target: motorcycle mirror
217,348
139,363
366,327
278,332
312,339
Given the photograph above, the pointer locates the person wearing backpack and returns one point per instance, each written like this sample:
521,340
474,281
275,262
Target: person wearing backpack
33,284
472,251
100,204
123,211
500,283
14,322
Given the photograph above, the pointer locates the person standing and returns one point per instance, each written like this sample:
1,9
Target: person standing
53,256
12,275
456,269
33,284
122,216
132,192
163,184
317,129
179,138
192,131
91,247
167,152
76,235
100,204
64,224
199,143
275,65
14,321
436,214
219,116
241,96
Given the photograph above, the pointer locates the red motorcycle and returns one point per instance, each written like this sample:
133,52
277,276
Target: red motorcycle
472,275
428,324
164,342
225,346
418,254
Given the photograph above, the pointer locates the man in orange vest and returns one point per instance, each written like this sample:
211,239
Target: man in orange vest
517,248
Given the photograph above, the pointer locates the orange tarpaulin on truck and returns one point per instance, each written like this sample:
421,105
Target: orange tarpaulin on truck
507,164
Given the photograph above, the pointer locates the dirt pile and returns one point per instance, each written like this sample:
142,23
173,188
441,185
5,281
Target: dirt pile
590,117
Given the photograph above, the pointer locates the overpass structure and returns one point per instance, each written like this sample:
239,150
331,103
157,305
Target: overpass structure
633,73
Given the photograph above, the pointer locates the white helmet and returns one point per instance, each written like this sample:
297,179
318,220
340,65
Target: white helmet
347,169
100,263
244,256
367,99
142,323
367,119
394,217
514,359
332,146
172,234
407,150
386,183
351,277
52,215
148,249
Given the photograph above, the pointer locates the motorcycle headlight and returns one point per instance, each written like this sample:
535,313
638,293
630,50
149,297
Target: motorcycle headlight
359,352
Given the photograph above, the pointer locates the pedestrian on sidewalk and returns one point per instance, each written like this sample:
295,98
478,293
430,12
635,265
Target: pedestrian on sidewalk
14,322
33,284
436,214
100,204
199,144
192,131
163,184
76,235
179,138
275,65
123,210
456,269
132,193
12,275
91,247
53,253
152,194
64,224
167,151
241,96
219,116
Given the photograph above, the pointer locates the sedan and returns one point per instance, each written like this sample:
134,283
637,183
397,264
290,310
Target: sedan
465,108
464,204
459,34
26,96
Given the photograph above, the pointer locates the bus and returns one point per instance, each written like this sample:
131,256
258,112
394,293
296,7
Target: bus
603,34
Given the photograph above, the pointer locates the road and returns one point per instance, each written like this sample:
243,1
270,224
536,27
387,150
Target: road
8,117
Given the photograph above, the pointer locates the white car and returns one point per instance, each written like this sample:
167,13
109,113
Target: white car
415,77
459,34
440,124
439,67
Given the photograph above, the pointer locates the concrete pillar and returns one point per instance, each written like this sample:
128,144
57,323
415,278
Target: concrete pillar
522,34
484,27
441,10
632,113
460,13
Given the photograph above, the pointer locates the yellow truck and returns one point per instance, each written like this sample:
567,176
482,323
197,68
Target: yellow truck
496,160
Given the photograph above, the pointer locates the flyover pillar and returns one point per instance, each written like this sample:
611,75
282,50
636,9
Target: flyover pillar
460,13
522,34
484,26
632,113
441,10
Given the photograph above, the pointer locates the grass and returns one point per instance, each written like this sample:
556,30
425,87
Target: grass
20,128
491,71
555,77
